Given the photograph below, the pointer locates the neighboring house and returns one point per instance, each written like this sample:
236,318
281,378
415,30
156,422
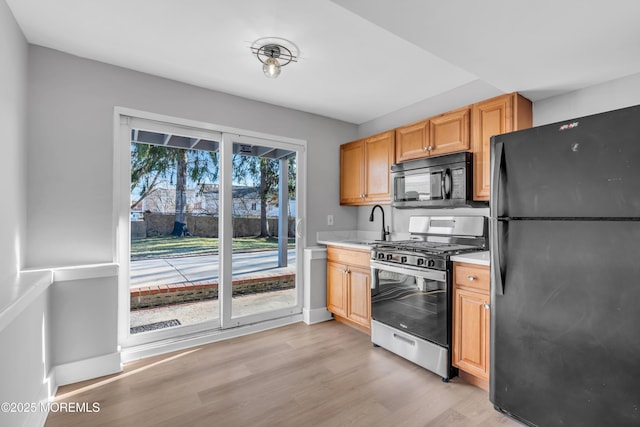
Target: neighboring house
205,201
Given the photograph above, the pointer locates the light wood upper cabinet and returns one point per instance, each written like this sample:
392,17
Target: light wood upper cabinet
352,172
443,134
364,164
412,141
449,132
364,169
494,116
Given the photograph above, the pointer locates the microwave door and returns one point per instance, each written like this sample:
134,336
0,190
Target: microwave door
411,187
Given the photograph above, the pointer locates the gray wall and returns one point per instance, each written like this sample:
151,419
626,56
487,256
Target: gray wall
13,112
620,93
22,368
70,188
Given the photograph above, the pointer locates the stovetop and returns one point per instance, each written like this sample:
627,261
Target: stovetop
432,255
433,240
425,247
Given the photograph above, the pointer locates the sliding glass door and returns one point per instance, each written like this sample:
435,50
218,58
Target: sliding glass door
263,220
213,238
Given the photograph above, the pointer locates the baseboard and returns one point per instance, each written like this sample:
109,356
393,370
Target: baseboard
37,418
316,315
86,369
473,380
353,324
47,392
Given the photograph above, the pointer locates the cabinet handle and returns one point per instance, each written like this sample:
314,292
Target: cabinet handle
425,148
471,278
486,306
430,148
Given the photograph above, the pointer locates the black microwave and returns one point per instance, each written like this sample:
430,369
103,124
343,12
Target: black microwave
433,182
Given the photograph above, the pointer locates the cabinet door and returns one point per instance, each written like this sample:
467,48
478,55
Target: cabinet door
412,141
359,296
449,133
378,157
471,332
495,116
337,289
490,118
352,173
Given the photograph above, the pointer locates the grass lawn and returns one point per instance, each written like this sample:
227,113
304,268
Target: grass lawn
168,247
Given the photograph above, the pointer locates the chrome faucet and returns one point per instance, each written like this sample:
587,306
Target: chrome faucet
385,231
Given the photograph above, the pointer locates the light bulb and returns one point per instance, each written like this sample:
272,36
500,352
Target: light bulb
271,68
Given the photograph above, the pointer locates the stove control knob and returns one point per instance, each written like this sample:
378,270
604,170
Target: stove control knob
420,261
389,257
431,263
380,256
403,259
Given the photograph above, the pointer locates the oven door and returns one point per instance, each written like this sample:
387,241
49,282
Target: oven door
413,300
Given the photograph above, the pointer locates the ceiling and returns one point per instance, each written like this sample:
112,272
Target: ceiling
359,59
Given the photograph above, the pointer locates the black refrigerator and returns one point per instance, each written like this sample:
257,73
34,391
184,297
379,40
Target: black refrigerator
565,272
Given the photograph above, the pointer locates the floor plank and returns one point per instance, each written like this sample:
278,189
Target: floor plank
326,374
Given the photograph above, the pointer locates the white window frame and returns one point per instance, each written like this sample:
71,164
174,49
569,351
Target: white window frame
226,326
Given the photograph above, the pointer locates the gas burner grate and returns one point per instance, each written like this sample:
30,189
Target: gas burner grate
428,247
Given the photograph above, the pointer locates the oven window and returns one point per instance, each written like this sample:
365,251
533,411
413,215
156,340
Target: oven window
411,304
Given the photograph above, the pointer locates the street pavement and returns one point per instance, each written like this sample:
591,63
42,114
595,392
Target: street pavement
201,268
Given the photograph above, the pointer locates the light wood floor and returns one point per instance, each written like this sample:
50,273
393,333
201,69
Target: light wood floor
320,375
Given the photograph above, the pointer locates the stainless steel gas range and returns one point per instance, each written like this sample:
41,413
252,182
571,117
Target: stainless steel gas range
411,288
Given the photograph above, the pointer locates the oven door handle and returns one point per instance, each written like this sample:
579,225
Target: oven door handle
438,275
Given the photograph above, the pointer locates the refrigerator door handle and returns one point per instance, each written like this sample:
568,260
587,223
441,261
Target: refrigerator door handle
497,161
497,241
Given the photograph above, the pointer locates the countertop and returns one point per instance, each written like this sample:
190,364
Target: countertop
364,240
350,239
480,258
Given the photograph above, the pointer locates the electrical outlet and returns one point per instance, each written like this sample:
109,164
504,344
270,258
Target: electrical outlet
329,219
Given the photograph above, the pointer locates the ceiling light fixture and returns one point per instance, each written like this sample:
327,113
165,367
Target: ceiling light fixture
274,53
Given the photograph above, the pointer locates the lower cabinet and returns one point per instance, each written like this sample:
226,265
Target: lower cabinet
471,322
348,286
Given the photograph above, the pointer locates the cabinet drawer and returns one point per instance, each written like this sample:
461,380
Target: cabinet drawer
472,276
349,256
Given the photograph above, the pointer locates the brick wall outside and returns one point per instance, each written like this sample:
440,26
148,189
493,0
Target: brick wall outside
160,295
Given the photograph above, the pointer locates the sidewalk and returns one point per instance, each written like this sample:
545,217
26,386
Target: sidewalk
201,311
183,291
196,269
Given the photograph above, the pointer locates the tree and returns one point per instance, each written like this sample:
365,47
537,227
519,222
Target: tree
266,171
150,163
180,221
